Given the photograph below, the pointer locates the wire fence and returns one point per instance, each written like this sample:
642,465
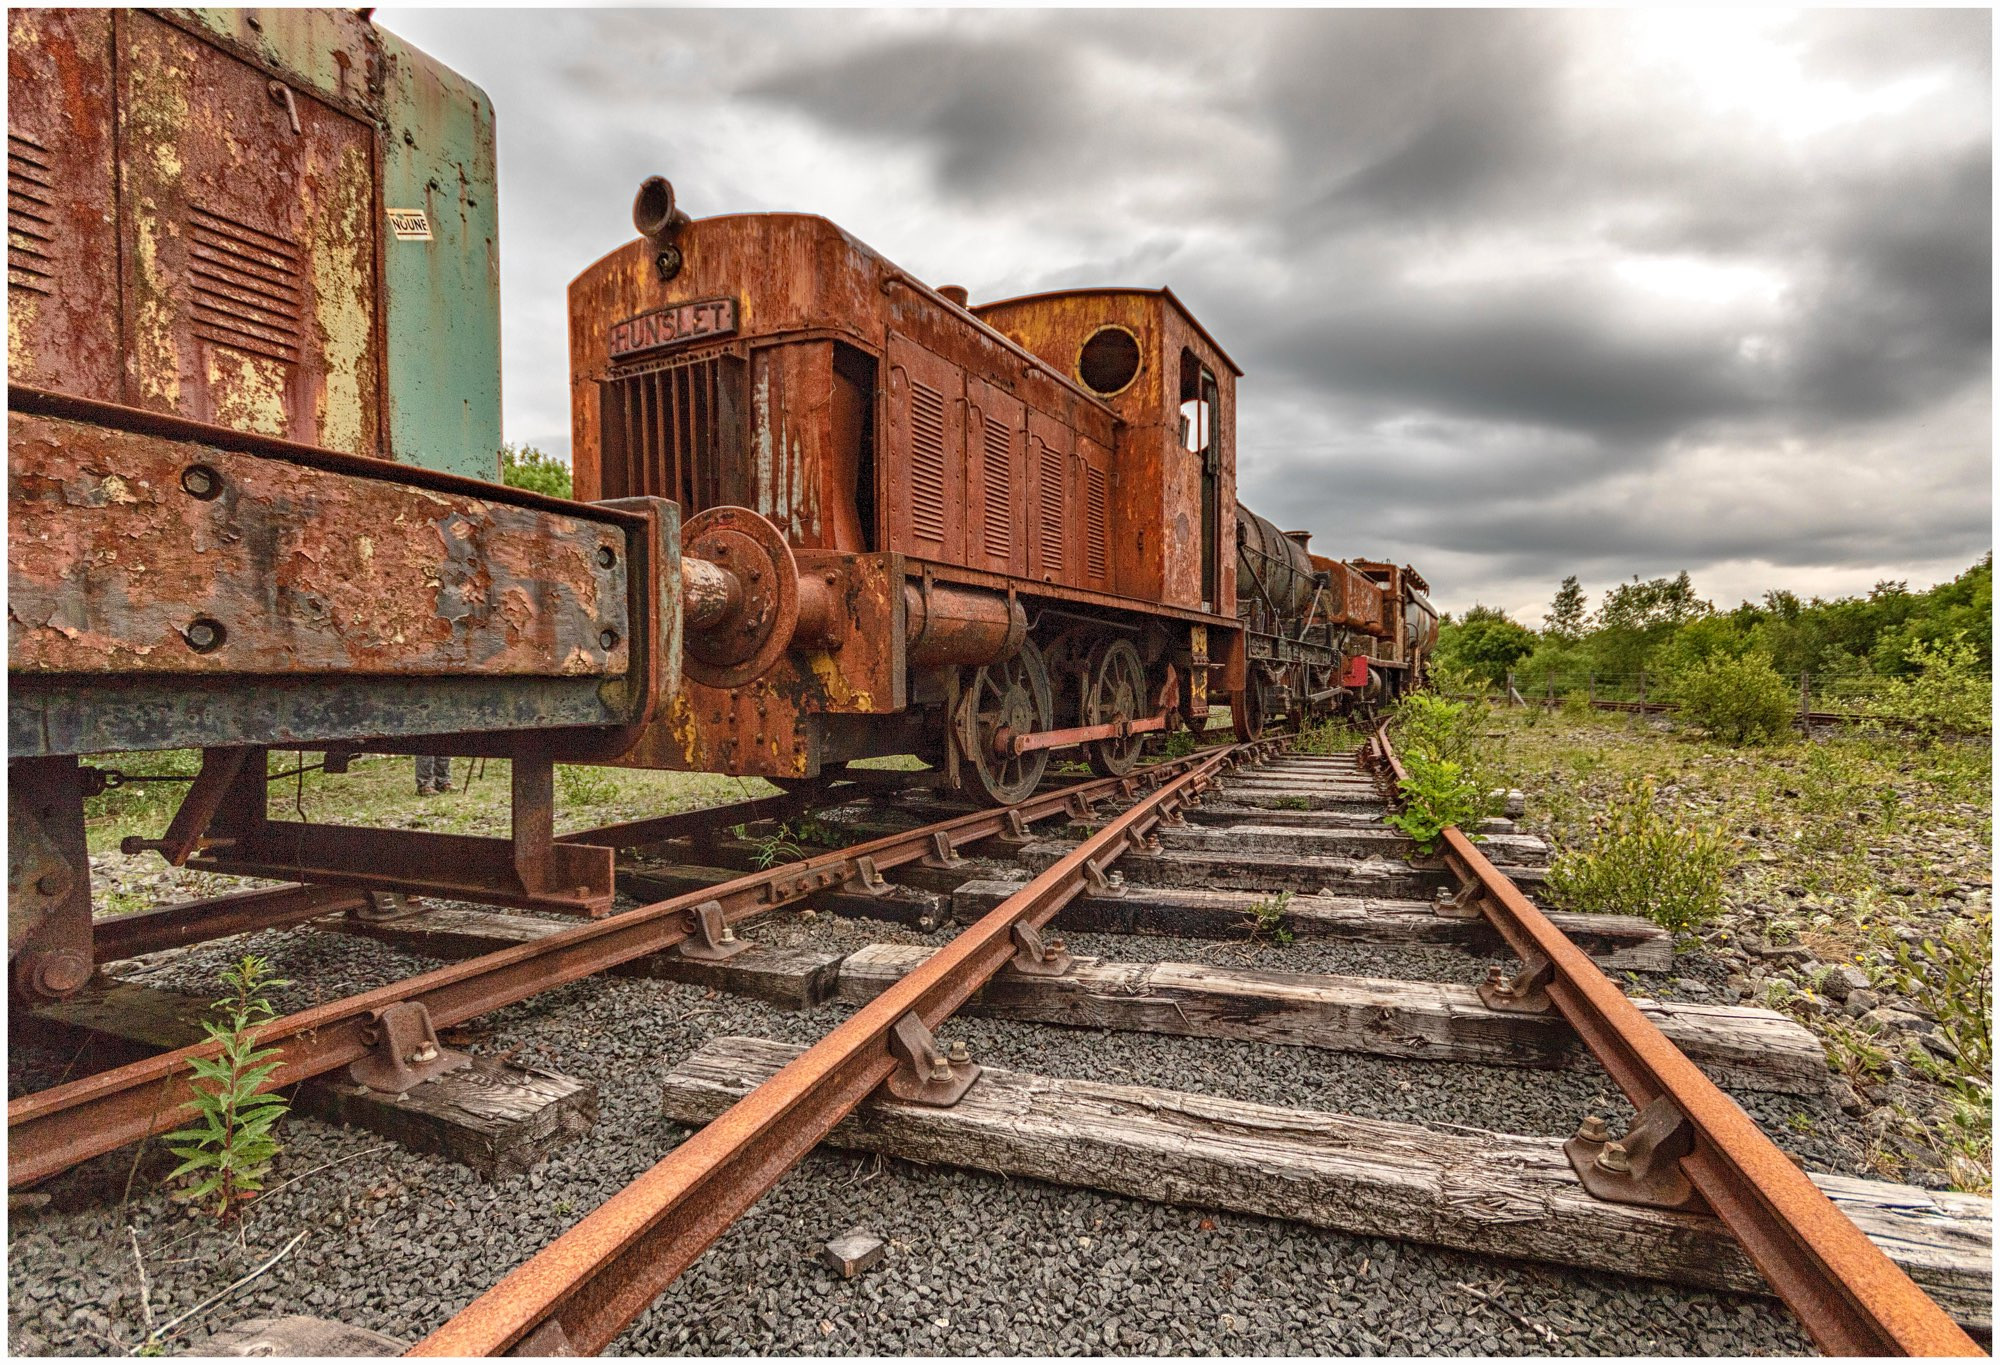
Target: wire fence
1820,695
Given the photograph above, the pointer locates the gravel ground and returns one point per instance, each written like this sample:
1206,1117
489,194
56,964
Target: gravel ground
978,1264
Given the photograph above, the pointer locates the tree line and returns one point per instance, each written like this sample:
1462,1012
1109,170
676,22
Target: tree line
1645,634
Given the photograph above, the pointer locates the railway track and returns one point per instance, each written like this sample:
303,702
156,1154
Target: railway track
1215,845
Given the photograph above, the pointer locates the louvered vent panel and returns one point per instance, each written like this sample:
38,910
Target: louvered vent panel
999,490
671,431
1095,508
247,286
1053,510
30,216
926,462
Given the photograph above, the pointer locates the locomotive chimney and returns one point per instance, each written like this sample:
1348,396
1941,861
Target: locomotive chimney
955,293
659,222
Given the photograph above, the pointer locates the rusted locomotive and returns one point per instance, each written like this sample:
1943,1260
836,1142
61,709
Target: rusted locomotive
980,533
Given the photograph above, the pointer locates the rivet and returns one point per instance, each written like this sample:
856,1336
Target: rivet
49,884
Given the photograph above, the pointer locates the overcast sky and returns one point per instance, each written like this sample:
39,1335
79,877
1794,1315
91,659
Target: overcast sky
1517,294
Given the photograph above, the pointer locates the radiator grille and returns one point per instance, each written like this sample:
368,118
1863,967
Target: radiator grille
999,490
246,285
1095,502
30,216
673,431
1053,510
926,462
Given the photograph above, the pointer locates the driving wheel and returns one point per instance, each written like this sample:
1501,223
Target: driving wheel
1115,689
1011,697
1246,710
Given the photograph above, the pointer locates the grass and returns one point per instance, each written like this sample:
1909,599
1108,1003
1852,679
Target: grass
381,790
1843,840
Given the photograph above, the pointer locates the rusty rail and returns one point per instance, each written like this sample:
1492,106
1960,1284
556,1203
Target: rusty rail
1849,1295
578,1293
56,1128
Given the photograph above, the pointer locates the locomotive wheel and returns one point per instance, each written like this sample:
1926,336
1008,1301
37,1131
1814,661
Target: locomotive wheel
1012,695
1116,690
1246,711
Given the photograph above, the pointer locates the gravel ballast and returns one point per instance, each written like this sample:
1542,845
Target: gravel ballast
977,1264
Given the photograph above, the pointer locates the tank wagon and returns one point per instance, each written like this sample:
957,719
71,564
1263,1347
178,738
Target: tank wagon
825,510
1007,528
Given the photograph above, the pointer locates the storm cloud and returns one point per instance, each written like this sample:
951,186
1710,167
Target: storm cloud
1517,294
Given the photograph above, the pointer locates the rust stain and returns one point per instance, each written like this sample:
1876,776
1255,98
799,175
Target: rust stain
130,553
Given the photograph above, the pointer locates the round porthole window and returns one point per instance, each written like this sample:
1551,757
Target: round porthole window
1109,360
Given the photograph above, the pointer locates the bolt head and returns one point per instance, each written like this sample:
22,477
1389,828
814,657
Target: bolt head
59,973
1614,1158
958,1052
1593,1129
48,884
606,556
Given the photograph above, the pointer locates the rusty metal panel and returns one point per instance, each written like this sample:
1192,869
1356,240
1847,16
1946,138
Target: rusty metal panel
62,242
251,263
996,479
135,555
922,472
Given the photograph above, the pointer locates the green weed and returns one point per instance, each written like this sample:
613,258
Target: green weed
1267,919
232,1148
585,786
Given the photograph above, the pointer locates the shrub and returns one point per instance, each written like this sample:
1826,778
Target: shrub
232,1149
1427,723
1640,862
1949,689
1437,793
1738,701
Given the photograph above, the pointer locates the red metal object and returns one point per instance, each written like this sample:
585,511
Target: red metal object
54,1129
1849,1295
577,1294
1082,734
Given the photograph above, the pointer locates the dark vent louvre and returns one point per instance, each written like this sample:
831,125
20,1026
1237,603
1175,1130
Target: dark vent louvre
926,462
246,283
672,431
999,490
1053,511
1095,531
30,216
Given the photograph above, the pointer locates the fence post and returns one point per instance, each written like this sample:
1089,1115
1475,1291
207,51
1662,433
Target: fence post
1591,683
1805,700
1550,678
1642,688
